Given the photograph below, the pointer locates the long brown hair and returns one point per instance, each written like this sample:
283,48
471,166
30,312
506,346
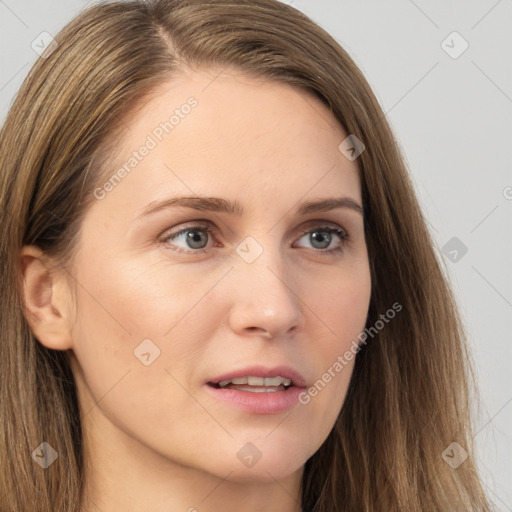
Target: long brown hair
409,397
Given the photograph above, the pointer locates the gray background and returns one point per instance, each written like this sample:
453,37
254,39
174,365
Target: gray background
452,115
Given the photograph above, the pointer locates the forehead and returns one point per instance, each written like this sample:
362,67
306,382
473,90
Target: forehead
221,132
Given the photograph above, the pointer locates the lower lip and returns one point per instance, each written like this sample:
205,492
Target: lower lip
272,402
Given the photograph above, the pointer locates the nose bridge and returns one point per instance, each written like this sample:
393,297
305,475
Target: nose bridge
262,293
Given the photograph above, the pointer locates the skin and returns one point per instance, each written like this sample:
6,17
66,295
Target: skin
154,439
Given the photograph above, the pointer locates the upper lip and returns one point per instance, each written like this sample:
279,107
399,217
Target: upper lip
263,371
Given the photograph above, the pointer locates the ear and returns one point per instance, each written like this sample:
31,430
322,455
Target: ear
45,296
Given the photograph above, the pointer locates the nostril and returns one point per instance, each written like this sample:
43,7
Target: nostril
260,330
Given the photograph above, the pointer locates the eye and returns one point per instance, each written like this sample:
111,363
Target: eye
322,237
194,239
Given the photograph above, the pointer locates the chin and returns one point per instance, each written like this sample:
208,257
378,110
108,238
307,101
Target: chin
267,463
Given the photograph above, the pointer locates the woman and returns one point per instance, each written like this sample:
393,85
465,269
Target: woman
219,290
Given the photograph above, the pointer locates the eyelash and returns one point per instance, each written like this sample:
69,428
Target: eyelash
341,233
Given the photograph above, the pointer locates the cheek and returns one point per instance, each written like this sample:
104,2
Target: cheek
127,348
130,301
342,304
342,308
135,321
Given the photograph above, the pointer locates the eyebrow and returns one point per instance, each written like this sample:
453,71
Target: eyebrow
217,204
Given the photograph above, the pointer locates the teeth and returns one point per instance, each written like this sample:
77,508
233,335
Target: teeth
240,380
276,381
254,389
256,381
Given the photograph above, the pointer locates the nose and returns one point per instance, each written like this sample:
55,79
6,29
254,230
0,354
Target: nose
263,302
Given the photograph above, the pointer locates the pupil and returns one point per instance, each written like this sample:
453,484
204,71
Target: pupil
318,237
194,239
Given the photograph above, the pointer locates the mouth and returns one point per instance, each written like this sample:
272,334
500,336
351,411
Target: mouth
254,384
259,390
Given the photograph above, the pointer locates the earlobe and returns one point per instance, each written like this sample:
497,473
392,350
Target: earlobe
44,298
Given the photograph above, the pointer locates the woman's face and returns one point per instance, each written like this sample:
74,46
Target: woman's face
174,297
